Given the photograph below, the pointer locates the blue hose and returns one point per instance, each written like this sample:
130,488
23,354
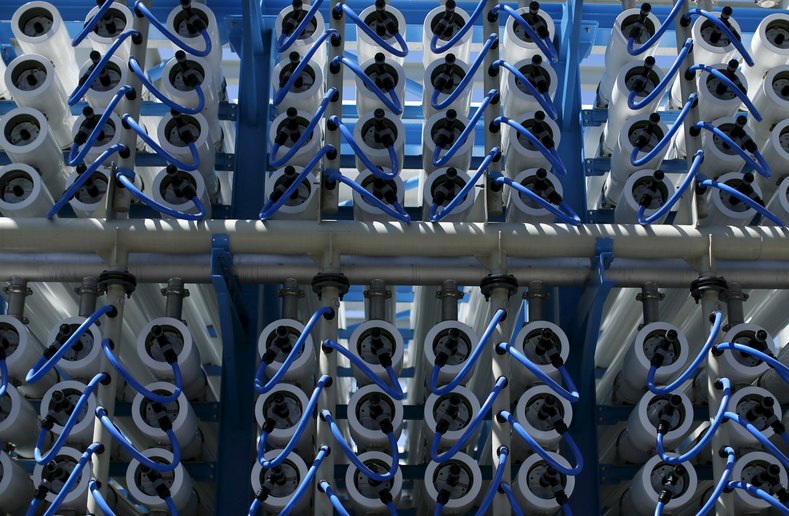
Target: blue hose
81,89
495,483
440,161
394,391
689,104
472,426
254,508
335,501
564,213
52,354
466,80
189,167
271,207
709,505
93,486
658,90
4,373
734,38
392,103
764,212
534,445
758,493
566,510
32,509
397,212
116,434
142,8
70,422
658,33
570,395
659,508
278,162
730,84
472,359
373,168
507,490
760,166
306,418
439,509
363,469
379,41
460,33
551,155
125,176
280,94
285,42
171,506
134,66
770,360
306,482
263,388
76,154
392,508
686,182
545,45
493,155
104,7
542,98
106,345
759,436
73,477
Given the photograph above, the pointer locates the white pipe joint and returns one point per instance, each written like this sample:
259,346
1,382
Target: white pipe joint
444,129
167,190
117,20
18,420
517,98
22,193
441,187
364,492
179,23
742,368
715,98
445,74
178,84
517,44
771,99
770,42
16,488
368,407
752,467
287,128
307,90
710,45
174,134
758,407
114,76
88,202
775,152
646,131
377,131
316,27
650,186
303,204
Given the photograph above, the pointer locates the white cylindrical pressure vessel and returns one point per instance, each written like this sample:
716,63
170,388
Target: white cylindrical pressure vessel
742,368
652,478
673,412
775,151
16,488
386,21
716,99
522,208
644,130
279,337
113,77
629,21
538,484
26,138
390,78
109,27
281,482
367,408
284,405
517,44
445,22
778,205
83,360
710,45
32,81
719,157
179,81
169,189
756,406
375,133
286,130
451,412
39,29
726,210
147,414
441,187
184,23
58,404
372,339
58,471
771,99
461,476
22,351
174,134
769,45
521,154
4,94
18,422
303,204
141,483
163,335
288,19
517,98
539,341
454,340
542,413
444,75
364,492
443,129
109,135
89,200
759,468
22,193
306,92
387,190
644,184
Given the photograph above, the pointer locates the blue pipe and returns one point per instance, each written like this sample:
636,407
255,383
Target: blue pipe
734,38
709,505
74,476
551,155
491,98
306,483
142,8
81,89
106,345
689,104
545,45
658,33
507,490
566,510
758,493
125,176
4,373
543,98
336,121
565,213
686,182
280,95
770,360
103,8
335,501
398,213
171,506
285,42
733,87
392,508
189,167
460,33
271,207
495,483
466,80
707,183
116,434
93,486
658,91
759,436
379,41
761,167
331,96
570,395
77,155
659,508
394,391
493,155
346,449
392,103
32,509
534,445
134,66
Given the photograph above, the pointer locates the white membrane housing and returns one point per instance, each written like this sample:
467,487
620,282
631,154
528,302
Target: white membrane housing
517,44
644,130
758,407
151,348
455,339
523,209
638,184
363,492
366,100
649,481
166,192
179,412
306,92
367,407
281,481
452,72
365,211
534,497
177,22
109,135
23,350
315,29
17,419
114,76
390,21
539,409
22,193
517,98
440,124
715,100
178,481
637,442
707,47
300,122
65,461
16,488
718,157
369,340
453,22
534,340
175,84
520,152
770,43
285,405
771,99
61,399
725,209
458,408
303,204
444,182
83,360
463,493
173,141
778,205
747,468
89,200
115,22
372,133
775,151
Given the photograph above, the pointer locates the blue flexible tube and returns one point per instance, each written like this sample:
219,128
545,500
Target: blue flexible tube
75,474
306,418
116,434
734,38
543,98
134,66
733,87
686,182
658,91
363,469
785,437
280,94
141,7
374,169
472,359
32,509
470,429
466,80
742,197
263,388
636,162
495,153
566,510
545,45
691,370
494,484
709,505
564,213
392,103
439,509
759,436
137,386
658,33
379,41
306,483
285,42
394,391
759,493
335,501
706,438
4,373
93,486
171,506
392,508
254,508
124,177
760,166
271,207
189,167
103,8
70,422
570,395
770,360
551,155
460,33
44,364
659,508
81,89
76,154
278,162
534,445
398,213
440,161
516,509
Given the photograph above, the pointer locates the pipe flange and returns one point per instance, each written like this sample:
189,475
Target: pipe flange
704,283
123,278
493,281
739,295
331,279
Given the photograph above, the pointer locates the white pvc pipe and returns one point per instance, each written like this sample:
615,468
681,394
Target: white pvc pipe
463,492
459,69
520,153
308,90
527,341
770,45
364,344
638,184
724,209
747,467
306,40
178,481
366,408
108,136
757,406
292,470
23,352
175,332
306,151
392,22
439,181
22,193
650,480
440,338
101,93
771,98
517,44
535,409
301,370
373,139
18,422
458,408
775,151
534,497
366,100
285,405
717,158
177,23
365,211
303,205
199,129
164,192
456,19
646,130
4,94
522,208
174,83
715,99
16,488
70,391
364,492
83,360
180,413
517,98
65,461
432,128
637,442
89,199
707,51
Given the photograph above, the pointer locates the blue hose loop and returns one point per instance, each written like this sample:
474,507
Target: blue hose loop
664,82
720,486
306,418
271,207
734,38
570,394
106,345
495,483
74,476
564,212
691,370
331,96
759,436
52,354
544,455
770,360
346,449
95,492
764,212
492,156
460,33
280,95
399,52
103,8
551,155
542,98
333,498
285,42
501,382
498,316
392,103
124,442
397,212
126,178
306,483
81,89
134,66
439,161
262,388
758,493
4,381
545,45
174,38
76,154
171,506
720,416
505,488
137,128
762,168
658,33
70,422
733,87
686,182
394,390
467,79
335,121
636,162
